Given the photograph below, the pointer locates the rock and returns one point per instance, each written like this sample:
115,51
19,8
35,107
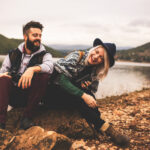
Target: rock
76,129
63,121
37,138
54,129
5,139
133,122
79,145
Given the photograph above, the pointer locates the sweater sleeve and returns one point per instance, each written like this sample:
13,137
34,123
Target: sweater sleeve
47,64
5,65
70,62
66,84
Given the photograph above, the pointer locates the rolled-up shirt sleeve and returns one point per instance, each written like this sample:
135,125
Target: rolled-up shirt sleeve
68,86
5,65
47,64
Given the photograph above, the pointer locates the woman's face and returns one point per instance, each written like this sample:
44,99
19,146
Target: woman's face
96,56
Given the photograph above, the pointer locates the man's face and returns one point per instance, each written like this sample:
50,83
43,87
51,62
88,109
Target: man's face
33,39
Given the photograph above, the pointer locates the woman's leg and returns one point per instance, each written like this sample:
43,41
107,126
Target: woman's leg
92,115
57,97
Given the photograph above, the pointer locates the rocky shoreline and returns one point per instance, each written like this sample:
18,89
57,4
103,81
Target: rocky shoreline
65,129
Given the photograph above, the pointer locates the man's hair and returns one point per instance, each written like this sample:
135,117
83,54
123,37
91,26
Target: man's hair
32,24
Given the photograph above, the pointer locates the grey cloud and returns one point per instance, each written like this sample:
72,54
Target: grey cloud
140,23
86,26
96,26
136,26
129,29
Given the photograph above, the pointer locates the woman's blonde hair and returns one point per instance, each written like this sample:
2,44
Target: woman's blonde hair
102,68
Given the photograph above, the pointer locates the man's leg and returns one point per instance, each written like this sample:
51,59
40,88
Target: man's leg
6,86
36,93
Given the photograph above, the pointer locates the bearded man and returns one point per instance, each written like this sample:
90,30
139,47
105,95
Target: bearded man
24,75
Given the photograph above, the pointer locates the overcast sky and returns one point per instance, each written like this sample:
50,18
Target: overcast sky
124,22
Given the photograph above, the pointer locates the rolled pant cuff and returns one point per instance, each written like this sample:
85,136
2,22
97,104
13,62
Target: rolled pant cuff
104,127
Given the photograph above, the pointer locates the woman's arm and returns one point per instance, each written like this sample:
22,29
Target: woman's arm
68,65
66,84
70,88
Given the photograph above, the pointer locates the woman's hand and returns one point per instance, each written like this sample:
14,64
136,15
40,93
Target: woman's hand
89,100
85,84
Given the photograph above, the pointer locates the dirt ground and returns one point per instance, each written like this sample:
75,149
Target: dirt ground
130,114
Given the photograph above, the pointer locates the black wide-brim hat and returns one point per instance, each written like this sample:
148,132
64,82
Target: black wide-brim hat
110,49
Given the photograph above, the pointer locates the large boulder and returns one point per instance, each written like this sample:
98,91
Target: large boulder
37,138
5,139
64,121
34,138
56,129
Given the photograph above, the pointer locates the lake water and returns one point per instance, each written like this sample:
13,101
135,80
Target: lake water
124,77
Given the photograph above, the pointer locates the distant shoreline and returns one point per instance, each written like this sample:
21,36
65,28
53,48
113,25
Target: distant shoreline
118,62
113,97
129,63
124,61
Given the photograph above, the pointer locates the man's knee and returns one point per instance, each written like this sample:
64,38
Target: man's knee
41,78
5,80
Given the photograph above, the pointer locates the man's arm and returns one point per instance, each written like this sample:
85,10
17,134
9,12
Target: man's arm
45,67
27,76
5,65
47,64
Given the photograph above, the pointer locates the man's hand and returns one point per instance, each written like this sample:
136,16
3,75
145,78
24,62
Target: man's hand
89,100
5,75
25,80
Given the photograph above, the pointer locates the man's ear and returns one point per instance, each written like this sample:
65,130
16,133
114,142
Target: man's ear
25,37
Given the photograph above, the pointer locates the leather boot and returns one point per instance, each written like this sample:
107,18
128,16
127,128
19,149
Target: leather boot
2,126
26,123
116,137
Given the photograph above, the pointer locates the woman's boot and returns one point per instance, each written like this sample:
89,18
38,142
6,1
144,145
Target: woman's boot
116,137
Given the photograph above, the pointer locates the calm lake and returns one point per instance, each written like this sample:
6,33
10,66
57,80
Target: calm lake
124,77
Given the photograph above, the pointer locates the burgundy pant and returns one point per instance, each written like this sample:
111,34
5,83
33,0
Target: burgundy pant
30,97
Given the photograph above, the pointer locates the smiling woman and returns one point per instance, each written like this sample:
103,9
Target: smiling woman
76,78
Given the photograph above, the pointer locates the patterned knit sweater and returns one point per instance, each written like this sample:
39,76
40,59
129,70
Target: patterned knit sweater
74,70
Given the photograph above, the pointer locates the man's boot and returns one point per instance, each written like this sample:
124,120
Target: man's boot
26,123
2,126
115,136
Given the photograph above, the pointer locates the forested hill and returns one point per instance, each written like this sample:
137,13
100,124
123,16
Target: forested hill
138,54
7,44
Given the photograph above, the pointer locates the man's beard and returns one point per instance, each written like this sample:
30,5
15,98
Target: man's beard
30,45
